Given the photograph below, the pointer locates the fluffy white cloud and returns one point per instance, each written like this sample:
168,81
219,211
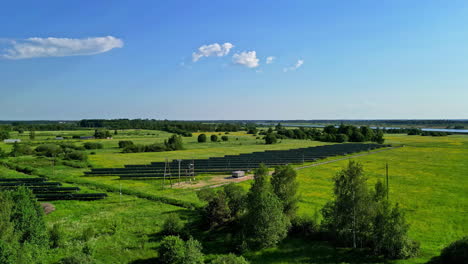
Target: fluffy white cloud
298,64
60,47
214,49
270,59
247,58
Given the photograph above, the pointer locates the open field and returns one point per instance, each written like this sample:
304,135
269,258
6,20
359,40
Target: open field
427,178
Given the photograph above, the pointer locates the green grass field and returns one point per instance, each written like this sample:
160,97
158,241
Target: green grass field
427,178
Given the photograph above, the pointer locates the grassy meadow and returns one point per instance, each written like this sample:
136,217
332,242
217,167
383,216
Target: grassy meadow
428,178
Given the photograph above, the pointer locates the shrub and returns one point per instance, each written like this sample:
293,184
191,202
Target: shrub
93,145
229,259
174,143
202,138
171,250
455,253
214,138
193,254
172,225
125,143
56,236
270,139
76,155
49,150
21,149
224,138
156,147
102,134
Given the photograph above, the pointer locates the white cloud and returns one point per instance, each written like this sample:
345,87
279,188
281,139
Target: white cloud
214,49
246,58
298,64
60,47
270,59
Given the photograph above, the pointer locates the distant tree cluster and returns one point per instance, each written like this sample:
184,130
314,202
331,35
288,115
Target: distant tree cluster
415,132
175,142
341,134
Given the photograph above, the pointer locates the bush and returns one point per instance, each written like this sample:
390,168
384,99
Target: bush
56,236
156,147
125,143
455,253
229,259
224,138
202,138
270,139
174,143
76,155
49,150
172,225
93,145
171,250
20,150
214,138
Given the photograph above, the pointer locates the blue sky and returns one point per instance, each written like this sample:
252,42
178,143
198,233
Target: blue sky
331,59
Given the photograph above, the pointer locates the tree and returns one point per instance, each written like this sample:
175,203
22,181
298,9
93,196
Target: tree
214,138
172,225
217,211
21,149
265,223
229,259
201,138
236,199
379,137
285,187
341,138
6,253
193,252
171,250
125,143
99,133
348,217
4,134
224,138
32,135
455,253
270,139
174,143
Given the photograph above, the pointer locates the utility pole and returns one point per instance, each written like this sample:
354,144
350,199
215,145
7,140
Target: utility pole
179,160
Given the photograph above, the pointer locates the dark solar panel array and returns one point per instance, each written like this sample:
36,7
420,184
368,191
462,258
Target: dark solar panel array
230,163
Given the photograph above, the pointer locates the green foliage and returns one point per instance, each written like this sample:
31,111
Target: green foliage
174,143
4,134
6,253
32,135
20,150
193,252
270,139
348,216
49,150
93,145
265,223
285,185
217,211
224,138
236,199
172,250
359,218
88,234
214,138
201,138
172,225
229,259
125,143
76,155
56,236
102,134
455,253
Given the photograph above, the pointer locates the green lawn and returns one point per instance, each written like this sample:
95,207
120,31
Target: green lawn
427,177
